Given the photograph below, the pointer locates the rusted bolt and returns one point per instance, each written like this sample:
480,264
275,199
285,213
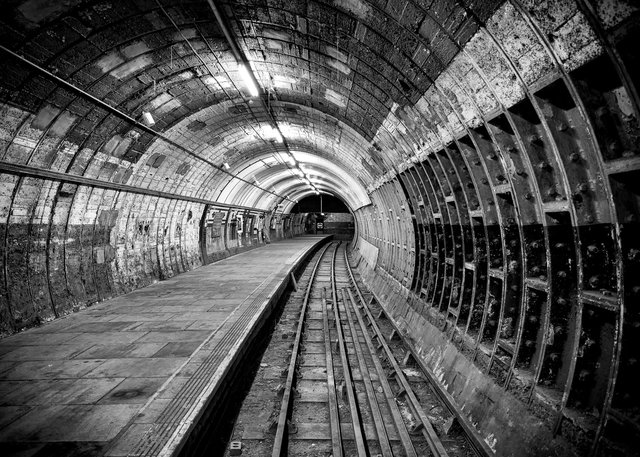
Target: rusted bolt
552,192
589,218
562,274
582,187
476,162
594,282
560,246
574,157
601,112
544,165
561,301
592,249
562,127
511,149
528,196
521,172
492,156
614,146
535,139
484,181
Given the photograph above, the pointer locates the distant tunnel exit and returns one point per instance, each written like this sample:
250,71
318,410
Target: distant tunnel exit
326,214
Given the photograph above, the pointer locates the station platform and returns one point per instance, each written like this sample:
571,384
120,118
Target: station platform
132,375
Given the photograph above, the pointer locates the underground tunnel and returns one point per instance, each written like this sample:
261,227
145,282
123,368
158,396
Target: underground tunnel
473,166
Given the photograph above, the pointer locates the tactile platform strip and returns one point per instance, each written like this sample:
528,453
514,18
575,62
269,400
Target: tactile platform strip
217,352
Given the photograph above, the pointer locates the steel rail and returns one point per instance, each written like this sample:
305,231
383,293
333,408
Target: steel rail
334,413
376,414
475,440
279,444
401,427
435,444
361,445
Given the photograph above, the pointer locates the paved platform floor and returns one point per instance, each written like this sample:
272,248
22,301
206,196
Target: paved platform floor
130,375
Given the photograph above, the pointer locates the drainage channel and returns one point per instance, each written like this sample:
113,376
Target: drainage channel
335,380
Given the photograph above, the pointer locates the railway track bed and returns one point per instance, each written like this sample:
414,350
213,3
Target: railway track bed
337,381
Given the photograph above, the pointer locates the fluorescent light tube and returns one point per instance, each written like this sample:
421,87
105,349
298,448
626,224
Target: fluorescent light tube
148,118
248,81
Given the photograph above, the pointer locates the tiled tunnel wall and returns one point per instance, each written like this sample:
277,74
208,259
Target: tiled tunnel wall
507,250
498,142
68,246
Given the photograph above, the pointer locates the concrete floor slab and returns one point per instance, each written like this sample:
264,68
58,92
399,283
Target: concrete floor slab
43,369
8,414
70,423
162,326
47,352
28,338
178,349
137,367
185,335
58,391
133,390
120,350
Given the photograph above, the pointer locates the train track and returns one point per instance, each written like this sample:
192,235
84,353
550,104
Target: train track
336,380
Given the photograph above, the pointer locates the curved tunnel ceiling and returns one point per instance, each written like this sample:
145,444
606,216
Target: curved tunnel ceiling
333,75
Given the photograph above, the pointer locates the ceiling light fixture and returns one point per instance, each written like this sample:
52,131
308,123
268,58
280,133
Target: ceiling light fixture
248,80
148,118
